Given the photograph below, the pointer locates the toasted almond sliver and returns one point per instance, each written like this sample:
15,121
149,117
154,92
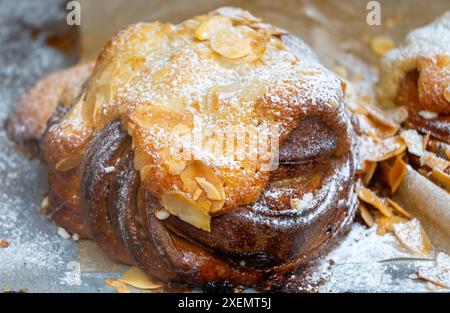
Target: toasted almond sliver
385,224
138,279
398,114
197,168
197,194
211,26
365,215
441,177
211,192
176,167
413,141
439,277
398,208
397,173
186,209
433,161
386,149
231,44
118,285
370,197
381,117
370,168
413,237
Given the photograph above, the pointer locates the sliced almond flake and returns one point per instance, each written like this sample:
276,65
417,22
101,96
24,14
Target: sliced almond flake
197,168
269,29
118,285
413,237
365,215
237,15
370,197
176,167
386,149
357,108
385,224
135,277
368,127
231,44
397,173
441,177
186,209
398,114
398,208
381,117
211,26
369,168
414,141
436,275
428,115
433,161
211,191
197,194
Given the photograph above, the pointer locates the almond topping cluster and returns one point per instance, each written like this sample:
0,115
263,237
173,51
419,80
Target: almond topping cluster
203,195
229,41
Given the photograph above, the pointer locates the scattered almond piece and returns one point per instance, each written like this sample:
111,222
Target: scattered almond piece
137,278
385,224
381,45
211,26
365,215
414,141
397,173
186,209
197,194
442,177
438,274
370,197
369,170
398,208
231,44
118,285
211,192
386,149
435,162
413,237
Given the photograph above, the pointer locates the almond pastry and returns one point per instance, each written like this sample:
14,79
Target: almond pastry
153,112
